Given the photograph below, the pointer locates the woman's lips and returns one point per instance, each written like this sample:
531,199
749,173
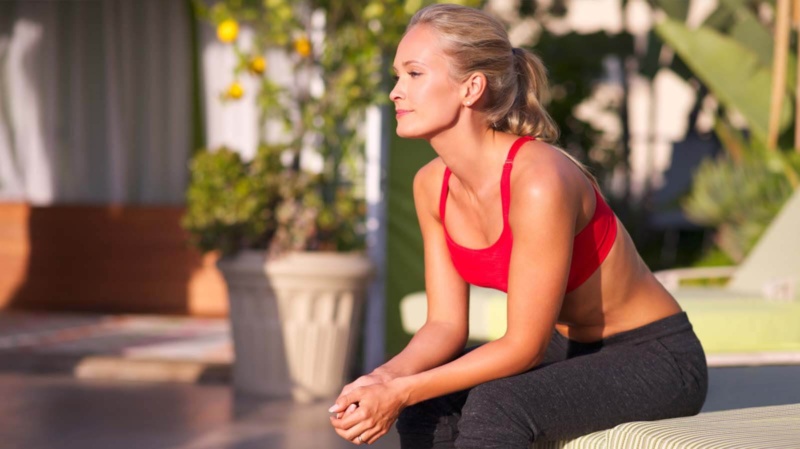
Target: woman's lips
401,112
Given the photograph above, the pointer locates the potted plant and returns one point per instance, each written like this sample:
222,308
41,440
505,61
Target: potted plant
290,223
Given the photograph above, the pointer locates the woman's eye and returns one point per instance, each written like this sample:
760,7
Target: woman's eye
414,74
395,78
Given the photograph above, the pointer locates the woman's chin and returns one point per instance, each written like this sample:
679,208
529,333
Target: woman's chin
408,133
404,133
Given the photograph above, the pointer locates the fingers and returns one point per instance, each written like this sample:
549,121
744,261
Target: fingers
369,433
350,418
350,409
341,404
363,433
370,436
367,437
345,400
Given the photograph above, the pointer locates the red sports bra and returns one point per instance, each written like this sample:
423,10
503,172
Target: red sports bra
488,267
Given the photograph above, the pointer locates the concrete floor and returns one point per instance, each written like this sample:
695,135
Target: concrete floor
60,412
56,412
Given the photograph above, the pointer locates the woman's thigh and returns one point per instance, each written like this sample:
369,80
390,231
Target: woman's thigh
434,423
660,378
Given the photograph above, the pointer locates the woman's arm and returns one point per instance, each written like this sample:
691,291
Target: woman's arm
445,331
544,210
444,334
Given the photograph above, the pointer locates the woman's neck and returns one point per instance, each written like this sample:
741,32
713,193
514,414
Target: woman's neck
474,157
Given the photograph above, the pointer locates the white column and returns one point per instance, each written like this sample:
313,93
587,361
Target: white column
377,147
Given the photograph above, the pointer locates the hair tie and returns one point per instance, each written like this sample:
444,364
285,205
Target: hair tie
515,51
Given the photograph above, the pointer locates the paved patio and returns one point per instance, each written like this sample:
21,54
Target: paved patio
127,382
45,412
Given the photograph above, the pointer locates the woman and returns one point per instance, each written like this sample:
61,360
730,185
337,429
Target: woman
593,339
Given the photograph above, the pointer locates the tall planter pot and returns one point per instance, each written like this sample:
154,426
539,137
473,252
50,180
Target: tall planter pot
321,298
295,320
259,365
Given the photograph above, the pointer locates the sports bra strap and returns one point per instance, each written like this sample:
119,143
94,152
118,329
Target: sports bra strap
445,190
505,181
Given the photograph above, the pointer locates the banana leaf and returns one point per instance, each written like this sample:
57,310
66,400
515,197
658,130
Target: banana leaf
735,74
751,33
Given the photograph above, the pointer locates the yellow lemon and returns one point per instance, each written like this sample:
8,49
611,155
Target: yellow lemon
373,10
235,90
258,65
228,30
303,47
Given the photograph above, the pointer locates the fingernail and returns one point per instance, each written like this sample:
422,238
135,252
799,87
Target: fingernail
333,407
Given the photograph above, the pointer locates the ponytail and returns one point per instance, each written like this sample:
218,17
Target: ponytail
527,116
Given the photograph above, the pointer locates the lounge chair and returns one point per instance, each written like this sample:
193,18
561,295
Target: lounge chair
755,317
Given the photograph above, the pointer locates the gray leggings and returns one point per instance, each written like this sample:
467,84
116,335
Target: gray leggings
654,372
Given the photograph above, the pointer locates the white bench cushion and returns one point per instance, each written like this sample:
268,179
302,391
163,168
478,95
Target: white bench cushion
752,428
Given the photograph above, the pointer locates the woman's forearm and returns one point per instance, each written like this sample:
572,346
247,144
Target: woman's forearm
433,345
493,360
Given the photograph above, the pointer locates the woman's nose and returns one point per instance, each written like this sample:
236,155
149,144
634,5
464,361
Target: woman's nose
395,93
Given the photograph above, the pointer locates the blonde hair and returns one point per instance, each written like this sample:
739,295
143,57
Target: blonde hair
516,79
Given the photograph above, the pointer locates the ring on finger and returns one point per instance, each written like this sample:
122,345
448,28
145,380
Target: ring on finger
360,440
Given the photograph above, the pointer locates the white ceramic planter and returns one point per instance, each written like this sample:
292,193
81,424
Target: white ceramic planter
295,320
320,299
259,356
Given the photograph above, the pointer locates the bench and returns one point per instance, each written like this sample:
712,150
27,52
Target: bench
752,428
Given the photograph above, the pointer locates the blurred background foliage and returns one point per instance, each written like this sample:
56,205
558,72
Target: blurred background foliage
731,55
727,58
335,53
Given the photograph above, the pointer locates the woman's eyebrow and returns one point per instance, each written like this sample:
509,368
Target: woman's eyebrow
409,62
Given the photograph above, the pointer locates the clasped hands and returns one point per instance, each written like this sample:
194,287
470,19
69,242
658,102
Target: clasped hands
367,408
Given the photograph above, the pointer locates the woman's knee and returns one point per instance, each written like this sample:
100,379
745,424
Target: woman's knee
431,422
494,416
418,418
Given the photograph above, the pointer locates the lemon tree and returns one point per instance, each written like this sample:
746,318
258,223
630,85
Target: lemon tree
337,51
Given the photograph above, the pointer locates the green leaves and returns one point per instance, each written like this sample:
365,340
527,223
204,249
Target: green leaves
234,204
740,198
732,54
734,73
231,203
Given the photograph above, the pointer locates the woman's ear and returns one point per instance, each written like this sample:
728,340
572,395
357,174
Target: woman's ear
473,88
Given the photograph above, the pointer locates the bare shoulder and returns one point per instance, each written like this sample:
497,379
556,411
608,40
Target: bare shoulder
543,172
428,184
429,172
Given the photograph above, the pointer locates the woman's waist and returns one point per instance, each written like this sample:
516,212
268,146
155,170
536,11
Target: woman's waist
677,323
605,315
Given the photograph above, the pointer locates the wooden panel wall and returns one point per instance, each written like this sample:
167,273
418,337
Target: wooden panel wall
118,259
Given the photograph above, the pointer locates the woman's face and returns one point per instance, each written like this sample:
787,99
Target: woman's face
426,99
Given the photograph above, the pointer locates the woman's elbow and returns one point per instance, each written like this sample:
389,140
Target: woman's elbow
526,355
447,332
532,362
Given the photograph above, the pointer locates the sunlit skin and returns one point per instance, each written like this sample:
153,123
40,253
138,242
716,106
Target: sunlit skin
551,201
427,100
